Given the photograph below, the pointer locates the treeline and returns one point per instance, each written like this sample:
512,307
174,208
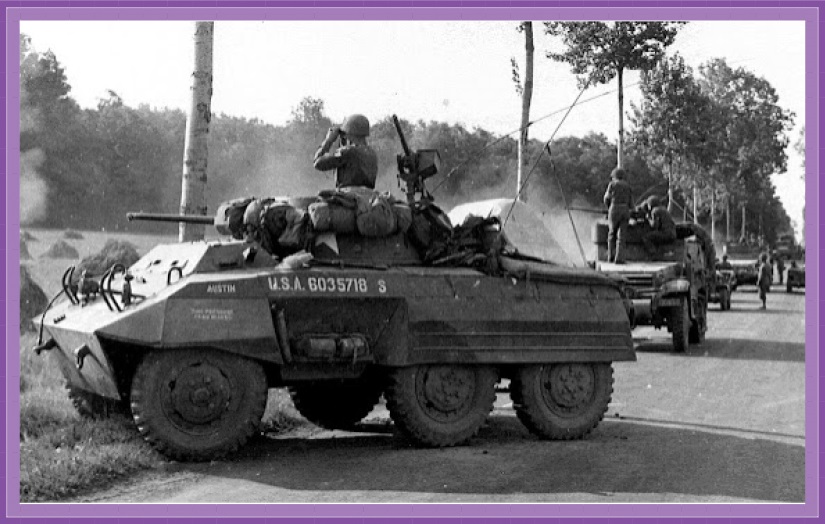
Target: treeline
85,168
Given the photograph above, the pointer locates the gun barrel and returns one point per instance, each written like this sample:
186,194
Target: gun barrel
168,217
404,145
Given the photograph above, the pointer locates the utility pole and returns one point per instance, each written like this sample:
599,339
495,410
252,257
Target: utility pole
195,155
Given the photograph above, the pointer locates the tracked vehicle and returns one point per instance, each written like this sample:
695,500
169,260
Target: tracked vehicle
190,338
670,287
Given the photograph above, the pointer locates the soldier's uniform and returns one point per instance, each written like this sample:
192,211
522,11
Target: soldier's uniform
354,165
619,200
662,224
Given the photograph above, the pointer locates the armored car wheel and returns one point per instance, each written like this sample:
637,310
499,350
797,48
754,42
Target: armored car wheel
562,401
680,324
197,404
93,406
442,404
336,405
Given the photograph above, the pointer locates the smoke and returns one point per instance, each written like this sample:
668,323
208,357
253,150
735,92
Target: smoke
33,189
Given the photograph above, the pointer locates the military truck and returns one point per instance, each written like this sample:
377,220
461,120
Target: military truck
796,276
745,261
671,286
189,339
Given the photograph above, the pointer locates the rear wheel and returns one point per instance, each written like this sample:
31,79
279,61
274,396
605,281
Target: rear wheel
680,324
197,404
441,405
337,405
562,401
93,406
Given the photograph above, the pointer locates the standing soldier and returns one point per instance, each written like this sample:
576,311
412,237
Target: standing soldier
763,281
662,225
619,199
355,162
780,267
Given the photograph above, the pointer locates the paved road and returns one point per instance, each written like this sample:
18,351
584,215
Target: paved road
722,423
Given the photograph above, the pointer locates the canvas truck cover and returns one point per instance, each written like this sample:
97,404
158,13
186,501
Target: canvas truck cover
525,233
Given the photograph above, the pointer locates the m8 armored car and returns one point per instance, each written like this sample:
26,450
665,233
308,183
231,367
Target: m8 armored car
189,339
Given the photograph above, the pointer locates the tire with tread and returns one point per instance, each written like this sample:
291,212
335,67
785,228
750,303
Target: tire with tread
680,320
562,401
93,406
197,404
336,405
442,404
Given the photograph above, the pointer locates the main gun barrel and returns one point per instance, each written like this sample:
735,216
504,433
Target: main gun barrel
168,217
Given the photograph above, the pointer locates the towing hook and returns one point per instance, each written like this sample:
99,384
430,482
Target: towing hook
45,346
80,355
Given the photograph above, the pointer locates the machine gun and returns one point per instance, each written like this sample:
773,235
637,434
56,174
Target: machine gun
415,166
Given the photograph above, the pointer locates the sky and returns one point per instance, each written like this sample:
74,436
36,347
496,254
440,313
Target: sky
452,71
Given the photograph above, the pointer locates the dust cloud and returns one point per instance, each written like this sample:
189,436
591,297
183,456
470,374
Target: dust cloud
33,189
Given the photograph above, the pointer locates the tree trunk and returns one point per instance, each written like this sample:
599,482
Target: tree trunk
713,215
670,186
620,151
195,155
695,202
743,237
727,216
526,99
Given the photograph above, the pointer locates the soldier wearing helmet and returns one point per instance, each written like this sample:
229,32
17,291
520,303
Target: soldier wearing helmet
619,199
661,223
355,162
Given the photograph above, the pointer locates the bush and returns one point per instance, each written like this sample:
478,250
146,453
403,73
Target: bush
32,300
60,249
114,252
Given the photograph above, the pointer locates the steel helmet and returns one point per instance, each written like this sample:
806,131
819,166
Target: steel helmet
356,125
618,173
252,215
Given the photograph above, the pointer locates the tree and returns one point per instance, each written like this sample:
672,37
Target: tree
525,91
598,52
193,186
751,140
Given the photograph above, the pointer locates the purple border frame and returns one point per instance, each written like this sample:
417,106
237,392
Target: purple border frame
14,11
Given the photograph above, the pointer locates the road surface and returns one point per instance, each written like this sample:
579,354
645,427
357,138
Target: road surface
723,423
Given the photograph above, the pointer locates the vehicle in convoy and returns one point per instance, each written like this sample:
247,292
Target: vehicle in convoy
745,261
721,292
670,287
795,277
787,247
190,338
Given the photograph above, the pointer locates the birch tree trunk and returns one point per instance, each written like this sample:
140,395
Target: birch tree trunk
195,155
727,216
526,99
743,223
695,203
713,215
620,149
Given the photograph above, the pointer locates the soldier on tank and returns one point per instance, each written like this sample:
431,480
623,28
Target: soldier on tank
661,223
355,162
619,199
725,264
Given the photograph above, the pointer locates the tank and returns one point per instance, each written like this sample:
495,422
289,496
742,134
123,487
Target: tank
672,285
189,339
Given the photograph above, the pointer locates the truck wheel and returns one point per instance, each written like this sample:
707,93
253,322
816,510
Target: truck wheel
680,322
562,401
92,406
197,404
336,405
788,288
443,404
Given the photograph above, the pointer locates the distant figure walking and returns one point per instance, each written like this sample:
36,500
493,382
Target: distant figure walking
619,200
763,281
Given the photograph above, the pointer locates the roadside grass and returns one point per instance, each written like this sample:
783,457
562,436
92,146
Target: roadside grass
63,454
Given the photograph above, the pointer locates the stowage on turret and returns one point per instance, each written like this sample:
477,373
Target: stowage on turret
344,297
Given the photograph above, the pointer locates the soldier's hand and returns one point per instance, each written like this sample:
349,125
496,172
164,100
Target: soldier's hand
332,134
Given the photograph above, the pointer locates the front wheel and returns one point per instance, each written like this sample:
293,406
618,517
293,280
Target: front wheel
197,404
680,324
562,401
698,326
441,405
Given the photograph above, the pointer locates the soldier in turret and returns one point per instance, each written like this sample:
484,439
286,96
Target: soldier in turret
662,225
619,200
355,162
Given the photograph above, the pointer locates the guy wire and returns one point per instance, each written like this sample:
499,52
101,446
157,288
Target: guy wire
553,167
